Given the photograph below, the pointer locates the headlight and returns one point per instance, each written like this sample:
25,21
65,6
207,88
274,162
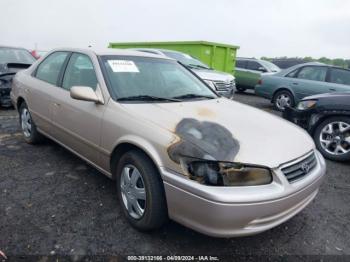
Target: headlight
303,105
211,84
226,174
234,81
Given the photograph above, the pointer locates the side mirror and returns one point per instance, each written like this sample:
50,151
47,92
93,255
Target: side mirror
262,69
84,93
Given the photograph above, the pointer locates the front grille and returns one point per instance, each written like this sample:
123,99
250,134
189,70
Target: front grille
5,91
300,169
224,86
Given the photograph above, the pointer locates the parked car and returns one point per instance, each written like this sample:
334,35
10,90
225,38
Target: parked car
223,83
327,118
289,86
174,152
249,71
12,60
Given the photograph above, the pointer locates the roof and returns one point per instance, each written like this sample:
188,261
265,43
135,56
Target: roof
292,68
110,51
160,50
13,47
142,49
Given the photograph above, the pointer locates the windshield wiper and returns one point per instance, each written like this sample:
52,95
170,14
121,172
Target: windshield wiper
198,66
190,96
147,98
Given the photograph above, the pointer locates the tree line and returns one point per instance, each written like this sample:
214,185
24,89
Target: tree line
344,63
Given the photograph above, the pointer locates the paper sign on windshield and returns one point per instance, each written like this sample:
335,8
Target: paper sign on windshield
123,66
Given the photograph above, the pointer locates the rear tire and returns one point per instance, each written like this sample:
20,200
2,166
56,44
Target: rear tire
323,137
28,127
282,99
135,174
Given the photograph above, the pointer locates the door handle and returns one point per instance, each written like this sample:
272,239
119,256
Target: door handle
294,83
56,104
332,89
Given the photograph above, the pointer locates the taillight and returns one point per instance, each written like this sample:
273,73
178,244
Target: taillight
35,54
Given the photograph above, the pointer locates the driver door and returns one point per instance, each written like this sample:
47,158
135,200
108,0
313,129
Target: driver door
76,123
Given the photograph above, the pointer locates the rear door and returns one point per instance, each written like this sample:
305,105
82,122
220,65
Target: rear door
76,123
245,73
253,73
42,87
339,80
310,80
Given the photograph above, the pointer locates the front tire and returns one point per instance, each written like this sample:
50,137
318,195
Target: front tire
240,89
29,130
282,99
332,138
141,191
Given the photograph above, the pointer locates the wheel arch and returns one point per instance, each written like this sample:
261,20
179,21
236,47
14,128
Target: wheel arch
20,101
127,145
324,116
282,89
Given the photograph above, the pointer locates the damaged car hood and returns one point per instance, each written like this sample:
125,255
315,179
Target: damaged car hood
225,130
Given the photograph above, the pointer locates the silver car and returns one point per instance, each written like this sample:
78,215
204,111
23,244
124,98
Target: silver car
168,141
223,83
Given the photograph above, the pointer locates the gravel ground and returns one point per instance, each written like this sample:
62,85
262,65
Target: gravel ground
51,202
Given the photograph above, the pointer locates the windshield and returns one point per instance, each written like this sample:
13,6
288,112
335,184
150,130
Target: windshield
15,55
270,66
142,78
186,59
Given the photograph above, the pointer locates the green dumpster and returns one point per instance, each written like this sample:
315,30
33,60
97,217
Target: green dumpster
221,57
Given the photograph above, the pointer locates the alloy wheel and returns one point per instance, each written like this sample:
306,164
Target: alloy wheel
335,138
26,122
133,191
282,101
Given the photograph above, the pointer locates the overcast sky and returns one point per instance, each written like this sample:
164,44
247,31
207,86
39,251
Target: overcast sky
261,28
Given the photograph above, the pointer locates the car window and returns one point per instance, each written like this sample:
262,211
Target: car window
241,64
50,68
252,65
15,55
293,73
270,66
340,76
315,73
79,72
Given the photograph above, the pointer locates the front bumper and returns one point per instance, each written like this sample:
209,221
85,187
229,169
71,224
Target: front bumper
299,117
239,211
5,99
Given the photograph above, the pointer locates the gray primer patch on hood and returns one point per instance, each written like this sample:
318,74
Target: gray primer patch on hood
203,140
